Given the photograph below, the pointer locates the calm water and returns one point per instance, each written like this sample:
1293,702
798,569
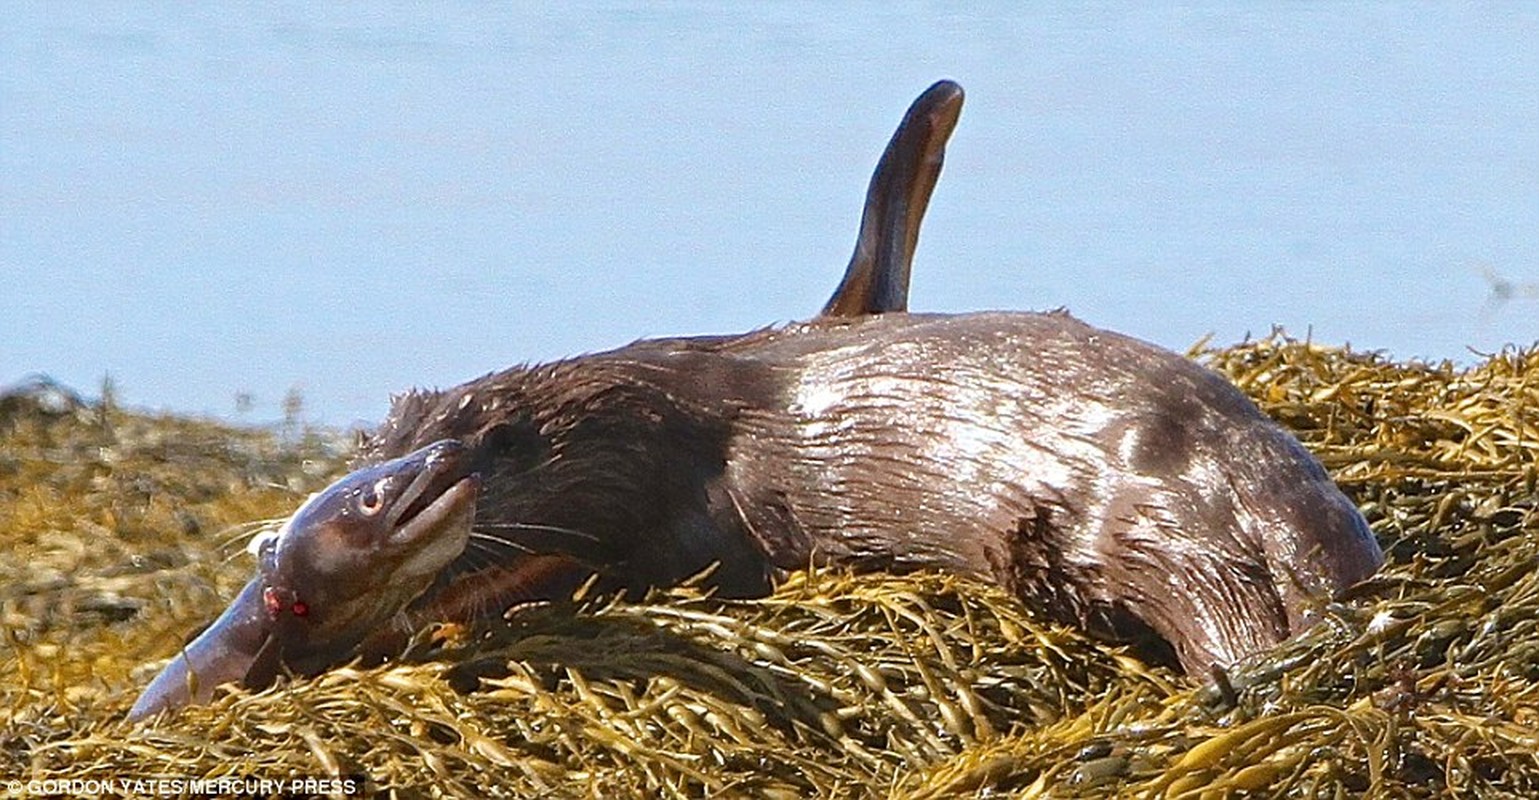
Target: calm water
204,200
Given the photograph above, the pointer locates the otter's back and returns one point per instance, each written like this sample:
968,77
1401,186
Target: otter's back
1095,474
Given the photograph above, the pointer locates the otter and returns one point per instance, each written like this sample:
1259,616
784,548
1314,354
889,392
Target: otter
334,545
1109,483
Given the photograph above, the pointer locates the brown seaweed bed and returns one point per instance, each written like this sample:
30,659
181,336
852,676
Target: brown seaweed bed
123,532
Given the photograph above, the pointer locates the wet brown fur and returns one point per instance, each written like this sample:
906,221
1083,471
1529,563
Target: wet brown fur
1107,482
1111,483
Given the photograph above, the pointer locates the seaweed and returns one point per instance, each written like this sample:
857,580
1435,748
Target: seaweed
125,530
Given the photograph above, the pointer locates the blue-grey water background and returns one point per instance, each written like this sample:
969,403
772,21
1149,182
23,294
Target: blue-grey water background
210,200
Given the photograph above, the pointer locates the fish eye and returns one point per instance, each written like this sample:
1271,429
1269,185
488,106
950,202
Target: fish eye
372,500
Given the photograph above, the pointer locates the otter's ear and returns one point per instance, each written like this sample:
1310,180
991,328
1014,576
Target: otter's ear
876,281
510,445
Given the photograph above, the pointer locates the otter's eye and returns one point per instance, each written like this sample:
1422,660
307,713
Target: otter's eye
372,500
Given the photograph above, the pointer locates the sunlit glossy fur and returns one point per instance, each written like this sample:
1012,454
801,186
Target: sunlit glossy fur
1107,481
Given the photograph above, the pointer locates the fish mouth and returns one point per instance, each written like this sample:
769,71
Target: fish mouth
434,526
436,510
441,484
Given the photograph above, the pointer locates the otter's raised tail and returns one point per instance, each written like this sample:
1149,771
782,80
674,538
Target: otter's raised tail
876,280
